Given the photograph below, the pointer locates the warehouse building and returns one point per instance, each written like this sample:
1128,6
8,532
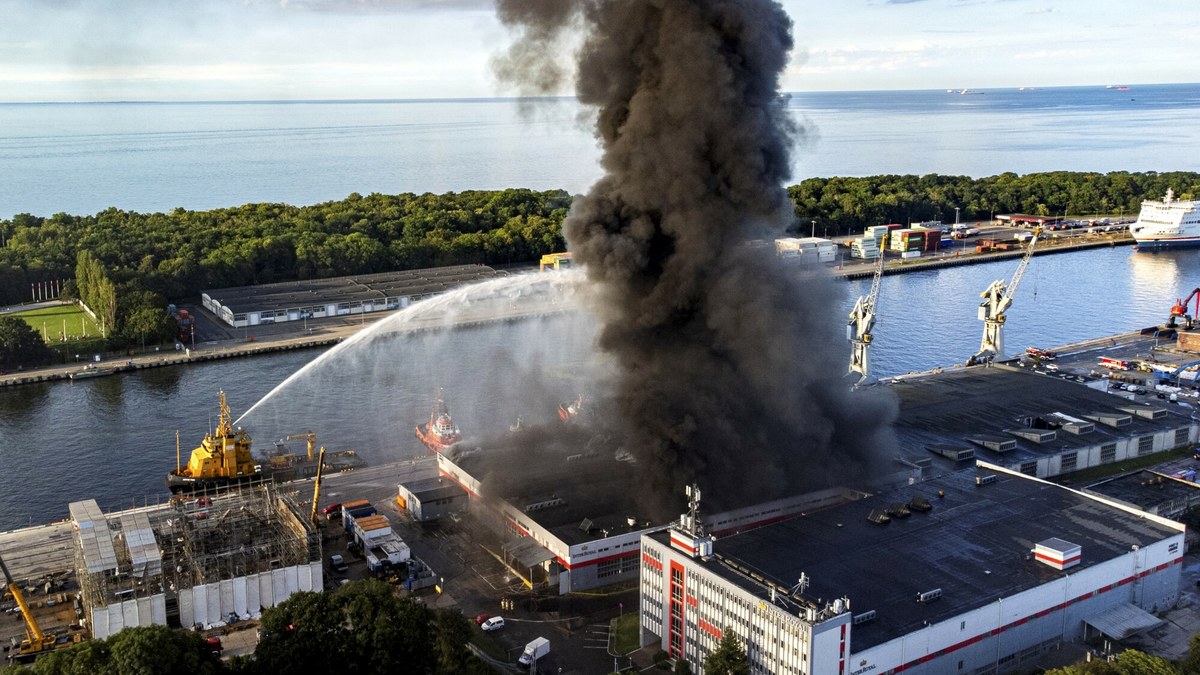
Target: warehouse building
571,522
977,571
1166,495
340,296
1034,424
429,499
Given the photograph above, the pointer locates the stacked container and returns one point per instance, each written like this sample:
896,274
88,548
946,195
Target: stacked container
807,249
866,248
353,510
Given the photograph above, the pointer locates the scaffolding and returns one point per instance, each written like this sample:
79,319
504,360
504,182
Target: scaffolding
159,565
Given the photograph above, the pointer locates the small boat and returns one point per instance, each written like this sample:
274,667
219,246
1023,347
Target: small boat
1045,354
440,433
90,371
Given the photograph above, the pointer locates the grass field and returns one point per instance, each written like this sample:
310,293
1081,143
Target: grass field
50,321
626,632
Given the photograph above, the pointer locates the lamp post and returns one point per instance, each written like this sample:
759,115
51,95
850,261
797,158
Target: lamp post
814,229
956,215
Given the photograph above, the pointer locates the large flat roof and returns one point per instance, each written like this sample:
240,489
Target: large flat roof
954,407
559,490
974,545
352,289
1149,491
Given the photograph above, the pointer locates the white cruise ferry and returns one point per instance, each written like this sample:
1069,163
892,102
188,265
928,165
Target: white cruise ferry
1166,224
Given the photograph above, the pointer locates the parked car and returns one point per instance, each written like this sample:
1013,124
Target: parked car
483,617
494,623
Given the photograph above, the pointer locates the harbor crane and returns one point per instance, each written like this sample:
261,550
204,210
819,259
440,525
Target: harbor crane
997,299
310,440
312,517
862,320
1180,311
36,642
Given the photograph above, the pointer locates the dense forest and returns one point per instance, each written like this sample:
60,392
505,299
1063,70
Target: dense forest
847,205
129,261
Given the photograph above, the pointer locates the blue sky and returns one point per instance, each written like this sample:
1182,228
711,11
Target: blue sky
106,50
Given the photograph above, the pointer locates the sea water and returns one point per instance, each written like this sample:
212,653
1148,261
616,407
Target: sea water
81,158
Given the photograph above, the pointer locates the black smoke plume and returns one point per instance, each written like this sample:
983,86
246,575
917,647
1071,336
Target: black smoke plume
731,364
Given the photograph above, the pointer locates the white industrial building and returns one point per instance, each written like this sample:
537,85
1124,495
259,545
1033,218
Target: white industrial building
1038,425
978,571
571,521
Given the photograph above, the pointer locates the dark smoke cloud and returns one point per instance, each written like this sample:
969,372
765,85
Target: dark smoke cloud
731,365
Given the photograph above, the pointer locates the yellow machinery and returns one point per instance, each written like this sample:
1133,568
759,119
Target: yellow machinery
36,642
316,484
310,440
555,261
223,458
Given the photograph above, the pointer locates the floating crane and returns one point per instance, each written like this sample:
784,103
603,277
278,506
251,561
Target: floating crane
309,438
862,320
36,642
997,299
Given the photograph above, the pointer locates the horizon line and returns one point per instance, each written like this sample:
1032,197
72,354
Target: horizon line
471,99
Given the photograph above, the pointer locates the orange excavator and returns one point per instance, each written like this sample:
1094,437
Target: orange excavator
36,642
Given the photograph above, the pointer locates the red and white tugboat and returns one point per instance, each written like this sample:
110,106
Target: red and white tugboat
569,412
441,432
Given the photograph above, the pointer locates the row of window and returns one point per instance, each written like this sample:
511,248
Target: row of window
1069,461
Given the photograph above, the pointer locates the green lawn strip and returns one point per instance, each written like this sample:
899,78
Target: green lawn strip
489,646
625,633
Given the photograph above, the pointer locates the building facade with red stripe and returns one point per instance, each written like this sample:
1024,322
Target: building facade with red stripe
989,576
589,541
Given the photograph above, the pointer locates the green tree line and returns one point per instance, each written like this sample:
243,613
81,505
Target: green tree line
180,253
177,254
847,205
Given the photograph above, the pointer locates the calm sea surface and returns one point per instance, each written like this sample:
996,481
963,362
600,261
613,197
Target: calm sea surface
81,158
113,438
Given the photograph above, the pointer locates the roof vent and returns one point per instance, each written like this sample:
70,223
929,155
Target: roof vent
1112,419
929,596
993,443
898,510
544,504
920,504
879,517
985,480
866,616
1145,412
1057,420
1057,553
1035,435
957,453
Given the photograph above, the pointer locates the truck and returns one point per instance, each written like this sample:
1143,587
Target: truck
338,563
535,650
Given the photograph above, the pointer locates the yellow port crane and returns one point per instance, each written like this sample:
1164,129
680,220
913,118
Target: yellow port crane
36,642
312,518
310,440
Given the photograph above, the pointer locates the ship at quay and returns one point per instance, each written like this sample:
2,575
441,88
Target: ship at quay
1167,223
